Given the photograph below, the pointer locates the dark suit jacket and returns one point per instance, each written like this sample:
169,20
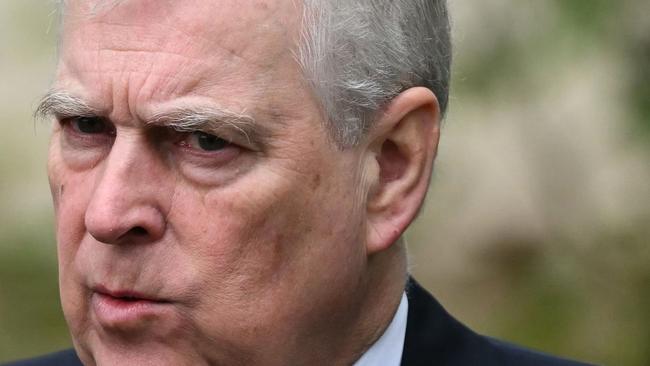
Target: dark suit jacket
433,338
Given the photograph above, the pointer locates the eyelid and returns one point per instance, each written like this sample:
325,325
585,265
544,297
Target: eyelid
67,118
108,128
64,116
225,132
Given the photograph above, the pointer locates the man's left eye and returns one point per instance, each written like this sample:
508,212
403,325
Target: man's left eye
206,142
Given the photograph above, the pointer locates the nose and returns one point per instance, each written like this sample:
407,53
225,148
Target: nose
128,203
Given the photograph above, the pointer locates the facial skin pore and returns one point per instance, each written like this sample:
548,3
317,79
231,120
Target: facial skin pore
190,165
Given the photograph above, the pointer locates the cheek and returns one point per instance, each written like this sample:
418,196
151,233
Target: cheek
230,236
248,240
54,169
71,191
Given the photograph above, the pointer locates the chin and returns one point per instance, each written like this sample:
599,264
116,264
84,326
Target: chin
145,358
134,339
116,353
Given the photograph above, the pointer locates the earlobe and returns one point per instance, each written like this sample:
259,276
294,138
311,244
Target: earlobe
404,142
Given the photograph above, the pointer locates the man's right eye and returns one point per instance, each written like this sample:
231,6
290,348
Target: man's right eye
89,125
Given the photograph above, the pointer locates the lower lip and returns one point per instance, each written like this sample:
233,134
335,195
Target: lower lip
113,312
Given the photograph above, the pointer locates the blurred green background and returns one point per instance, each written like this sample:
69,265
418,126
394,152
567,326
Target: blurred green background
537,226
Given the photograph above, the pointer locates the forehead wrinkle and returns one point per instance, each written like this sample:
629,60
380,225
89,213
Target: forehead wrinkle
183,77
140,37
184,56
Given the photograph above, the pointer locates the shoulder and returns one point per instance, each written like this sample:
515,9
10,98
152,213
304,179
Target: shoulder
435,337
511,354
62,358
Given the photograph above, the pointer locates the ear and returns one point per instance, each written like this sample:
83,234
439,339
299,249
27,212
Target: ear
404,142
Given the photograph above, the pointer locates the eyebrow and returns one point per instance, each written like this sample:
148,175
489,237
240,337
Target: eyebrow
187,118
62,104
210,119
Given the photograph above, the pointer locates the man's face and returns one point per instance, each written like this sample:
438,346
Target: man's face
241,246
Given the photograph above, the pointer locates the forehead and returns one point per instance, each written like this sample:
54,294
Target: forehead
272,17
243,27
179,47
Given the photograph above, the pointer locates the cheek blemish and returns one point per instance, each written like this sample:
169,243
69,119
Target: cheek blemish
278,244
61,189
315,182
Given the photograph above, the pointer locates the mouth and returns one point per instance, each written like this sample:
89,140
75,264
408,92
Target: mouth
127,296
126,309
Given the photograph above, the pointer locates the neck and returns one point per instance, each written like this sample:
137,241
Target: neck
380,292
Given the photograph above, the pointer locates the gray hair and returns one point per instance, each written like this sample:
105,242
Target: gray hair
357,55
360,54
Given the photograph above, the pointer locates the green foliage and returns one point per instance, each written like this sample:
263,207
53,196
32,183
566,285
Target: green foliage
587,17
32,322
639,91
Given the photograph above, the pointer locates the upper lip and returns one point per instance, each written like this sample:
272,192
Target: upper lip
126,294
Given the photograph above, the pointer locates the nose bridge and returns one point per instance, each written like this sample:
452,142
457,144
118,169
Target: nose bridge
128,201
131,160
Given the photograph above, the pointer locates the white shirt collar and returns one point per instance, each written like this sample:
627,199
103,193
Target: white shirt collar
387,351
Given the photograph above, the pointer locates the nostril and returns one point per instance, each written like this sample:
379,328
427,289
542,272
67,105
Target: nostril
139,231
